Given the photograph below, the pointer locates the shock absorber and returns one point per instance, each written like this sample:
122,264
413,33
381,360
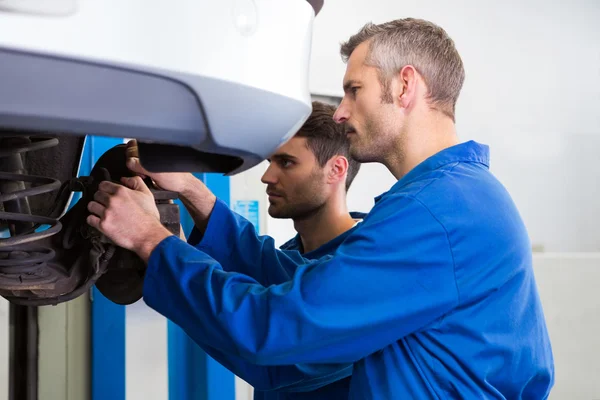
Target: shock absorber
22,261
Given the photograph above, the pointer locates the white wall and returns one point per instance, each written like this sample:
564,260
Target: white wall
568,289
146,357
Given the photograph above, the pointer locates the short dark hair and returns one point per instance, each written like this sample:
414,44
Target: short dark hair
326,138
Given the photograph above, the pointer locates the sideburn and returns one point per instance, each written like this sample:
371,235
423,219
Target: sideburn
386,89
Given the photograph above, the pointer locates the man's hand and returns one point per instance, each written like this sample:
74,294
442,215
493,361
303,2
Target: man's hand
128,216
196,197
172,181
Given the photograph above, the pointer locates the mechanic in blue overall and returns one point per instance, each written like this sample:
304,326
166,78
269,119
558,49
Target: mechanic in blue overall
432,296
307,181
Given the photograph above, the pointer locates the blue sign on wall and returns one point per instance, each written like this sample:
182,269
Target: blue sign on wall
249,210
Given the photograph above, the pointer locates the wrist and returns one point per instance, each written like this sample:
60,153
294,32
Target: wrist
152,238
190,186
197,197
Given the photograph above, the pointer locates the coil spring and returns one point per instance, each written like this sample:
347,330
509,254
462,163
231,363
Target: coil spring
22,258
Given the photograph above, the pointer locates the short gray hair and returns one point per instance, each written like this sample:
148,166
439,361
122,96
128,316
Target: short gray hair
422,44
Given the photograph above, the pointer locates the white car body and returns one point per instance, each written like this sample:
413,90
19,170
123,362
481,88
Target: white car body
223,77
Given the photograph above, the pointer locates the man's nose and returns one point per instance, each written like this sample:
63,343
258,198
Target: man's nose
270,176
342,113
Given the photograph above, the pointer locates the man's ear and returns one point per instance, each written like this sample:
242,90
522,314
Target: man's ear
404,87
338,168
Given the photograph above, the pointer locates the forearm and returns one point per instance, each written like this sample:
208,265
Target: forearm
233,241
213,221
322,314
198,200
284,378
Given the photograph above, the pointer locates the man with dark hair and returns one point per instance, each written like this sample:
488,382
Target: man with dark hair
307,181
304,179
327,139
432,296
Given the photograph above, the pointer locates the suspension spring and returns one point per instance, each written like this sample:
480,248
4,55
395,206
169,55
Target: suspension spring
23,259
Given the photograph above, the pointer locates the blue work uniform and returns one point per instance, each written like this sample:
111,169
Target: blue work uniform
336,390
432,296
326,382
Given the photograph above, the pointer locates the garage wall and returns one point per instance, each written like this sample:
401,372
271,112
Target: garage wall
568,289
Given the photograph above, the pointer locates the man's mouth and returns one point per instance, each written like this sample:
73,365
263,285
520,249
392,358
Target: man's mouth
272,193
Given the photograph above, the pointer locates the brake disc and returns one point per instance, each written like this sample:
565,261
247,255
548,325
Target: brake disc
123,281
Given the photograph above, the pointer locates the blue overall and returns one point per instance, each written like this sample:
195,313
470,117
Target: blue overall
432,296
331,382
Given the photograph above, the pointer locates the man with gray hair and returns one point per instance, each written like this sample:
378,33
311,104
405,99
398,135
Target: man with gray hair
432,296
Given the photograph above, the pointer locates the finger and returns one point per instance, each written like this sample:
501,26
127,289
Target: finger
102,198
108,187
134,164
93,221
131,149
96,209
136,183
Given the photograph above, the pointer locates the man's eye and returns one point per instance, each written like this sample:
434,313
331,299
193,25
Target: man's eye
286,163
353,90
